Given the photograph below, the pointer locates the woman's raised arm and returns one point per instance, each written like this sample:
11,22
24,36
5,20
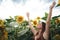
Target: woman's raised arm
48,20
30,25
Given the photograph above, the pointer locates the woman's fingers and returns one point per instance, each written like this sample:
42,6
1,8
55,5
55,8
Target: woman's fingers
54,3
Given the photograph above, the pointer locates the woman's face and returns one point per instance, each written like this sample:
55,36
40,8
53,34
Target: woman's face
39,26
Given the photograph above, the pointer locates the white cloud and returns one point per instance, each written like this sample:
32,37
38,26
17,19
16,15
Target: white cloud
34,7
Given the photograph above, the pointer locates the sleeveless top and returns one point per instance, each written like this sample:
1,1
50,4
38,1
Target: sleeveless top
40,38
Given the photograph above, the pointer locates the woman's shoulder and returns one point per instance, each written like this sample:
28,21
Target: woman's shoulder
36,33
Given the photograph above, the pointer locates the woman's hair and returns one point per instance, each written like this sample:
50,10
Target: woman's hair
43,26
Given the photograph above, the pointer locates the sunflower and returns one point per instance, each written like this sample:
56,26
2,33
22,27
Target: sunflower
35,22
38,18
59,19
2,23
57,37
19,19
56,21
4,35
58,1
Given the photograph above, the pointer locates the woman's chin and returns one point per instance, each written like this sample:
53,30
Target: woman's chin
39,27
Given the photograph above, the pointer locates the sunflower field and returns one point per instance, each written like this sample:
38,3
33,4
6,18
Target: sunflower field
17,28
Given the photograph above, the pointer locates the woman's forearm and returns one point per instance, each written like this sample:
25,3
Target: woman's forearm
49,15
48,20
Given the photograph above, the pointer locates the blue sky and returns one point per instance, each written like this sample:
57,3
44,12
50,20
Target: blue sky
21,7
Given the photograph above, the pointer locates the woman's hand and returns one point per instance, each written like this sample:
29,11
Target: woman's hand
27,15
53,4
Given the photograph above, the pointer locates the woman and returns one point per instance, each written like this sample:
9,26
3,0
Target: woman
43,29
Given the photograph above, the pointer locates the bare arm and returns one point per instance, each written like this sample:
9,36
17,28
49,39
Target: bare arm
30,25
48,21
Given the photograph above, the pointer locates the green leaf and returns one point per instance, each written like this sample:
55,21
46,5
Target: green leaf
46,14
45,17
58,5
22,32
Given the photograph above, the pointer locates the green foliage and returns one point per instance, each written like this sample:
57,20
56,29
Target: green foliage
58,5
20,31
45,17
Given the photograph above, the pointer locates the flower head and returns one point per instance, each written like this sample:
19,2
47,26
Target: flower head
56,21
59,19
58,1
2,23
35,22
19,19
6,34
38,18
57,37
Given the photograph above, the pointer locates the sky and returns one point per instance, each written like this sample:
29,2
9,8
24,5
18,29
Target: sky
21,7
